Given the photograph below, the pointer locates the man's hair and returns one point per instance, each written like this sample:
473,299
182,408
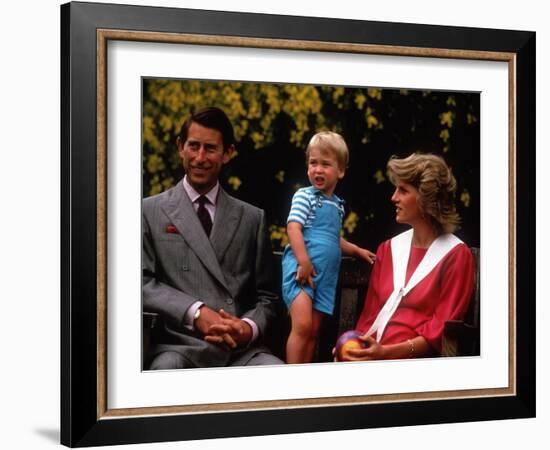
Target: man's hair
210,117
436,186
328,141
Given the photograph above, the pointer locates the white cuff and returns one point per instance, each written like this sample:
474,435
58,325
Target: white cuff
189,318
254,327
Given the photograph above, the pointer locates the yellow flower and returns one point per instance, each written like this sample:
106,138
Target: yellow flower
372,121
471,119
168,183
154,163
351,222
446,118
166,123
375,93
445,135
337,93
257,138
379,177
235,182
465,198
149,135
280,176
360,100
278,234
156,187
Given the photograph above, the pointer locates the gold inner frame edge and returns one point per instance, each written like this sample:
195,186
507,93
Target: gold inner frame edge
104,35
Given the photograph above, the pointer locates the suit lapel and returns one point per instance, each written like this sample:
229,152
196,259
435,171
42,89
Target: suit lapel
226,222
183,216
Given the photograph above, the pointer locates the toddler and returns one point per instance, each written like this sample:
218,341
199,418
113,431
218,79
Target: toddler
311,261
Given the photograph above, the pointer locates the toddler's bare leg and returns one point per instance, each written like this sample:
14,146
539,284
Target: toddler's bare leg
298,343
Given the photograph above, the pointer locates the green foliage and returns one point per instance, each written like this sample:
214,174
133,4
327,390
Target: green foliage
274,122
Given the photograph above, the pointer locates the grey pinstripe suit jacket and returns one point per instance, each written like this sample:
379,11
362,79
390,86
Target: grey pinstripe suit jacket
231,270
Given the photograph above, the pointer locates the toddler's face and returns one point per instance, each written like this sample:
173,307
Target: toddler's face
323,170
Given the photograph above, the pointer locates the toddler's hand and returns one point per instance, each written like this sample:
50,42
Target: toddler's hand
367,255
305,274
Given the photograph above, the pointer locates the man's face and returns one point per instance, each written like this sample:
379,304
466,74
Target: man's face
203,156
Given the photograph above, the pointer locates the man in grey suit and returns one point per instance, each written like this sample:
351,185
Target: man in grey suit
207,267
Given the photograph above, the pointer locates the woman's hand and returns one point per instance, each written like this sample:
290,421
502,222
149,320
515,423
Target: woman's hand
372,352
417,347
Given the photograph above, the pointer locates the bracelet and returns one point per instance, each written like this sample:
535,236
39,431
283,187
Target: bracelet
411,352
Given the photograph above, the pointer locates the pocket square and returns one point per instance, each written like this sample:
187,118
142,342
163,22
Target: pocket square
171,229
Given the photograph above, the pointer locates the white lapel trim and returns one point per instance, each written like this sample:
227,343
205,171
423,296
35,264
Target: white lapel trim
401,248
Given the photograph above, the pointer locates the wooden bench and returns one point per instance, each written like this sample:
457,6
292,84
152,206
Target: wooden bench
460,338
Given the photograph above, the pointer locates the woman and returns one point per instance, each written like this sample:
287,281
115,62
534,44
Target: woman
421,277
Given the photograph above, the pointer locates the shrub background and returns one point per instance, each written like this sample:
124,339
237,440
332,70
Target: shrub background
274,122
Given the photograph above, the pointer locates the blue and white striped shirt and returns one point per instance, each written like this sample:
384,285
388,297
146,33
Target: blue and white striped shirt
304,203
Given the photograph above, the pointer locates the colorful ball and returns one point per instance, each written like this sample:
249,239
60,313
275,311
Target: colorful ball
348,340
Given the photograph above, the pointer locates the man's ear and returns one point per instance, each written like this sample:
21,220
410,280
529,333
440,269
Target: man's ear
228,154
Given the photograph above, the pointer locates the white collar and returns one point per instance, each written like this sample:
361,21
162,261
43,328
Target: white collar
211,195
401,248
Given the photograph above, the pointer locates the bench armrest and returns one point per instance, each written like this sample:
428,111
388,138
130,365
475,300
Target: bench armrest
459,338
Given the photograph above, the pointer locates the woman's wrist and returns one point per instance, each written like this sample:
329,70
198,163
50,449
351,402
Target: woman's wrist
412,350
397,351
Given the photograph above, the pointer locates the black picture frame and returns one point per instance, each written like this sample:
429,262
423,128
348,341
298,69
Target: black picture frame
83,418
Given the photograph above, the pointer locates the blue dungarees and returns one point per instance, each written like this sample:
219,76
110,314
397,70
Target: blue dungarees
321,220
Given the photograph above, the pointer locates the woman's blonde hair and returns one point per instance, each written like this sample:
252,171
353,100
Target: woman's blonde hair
436,186
329,141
